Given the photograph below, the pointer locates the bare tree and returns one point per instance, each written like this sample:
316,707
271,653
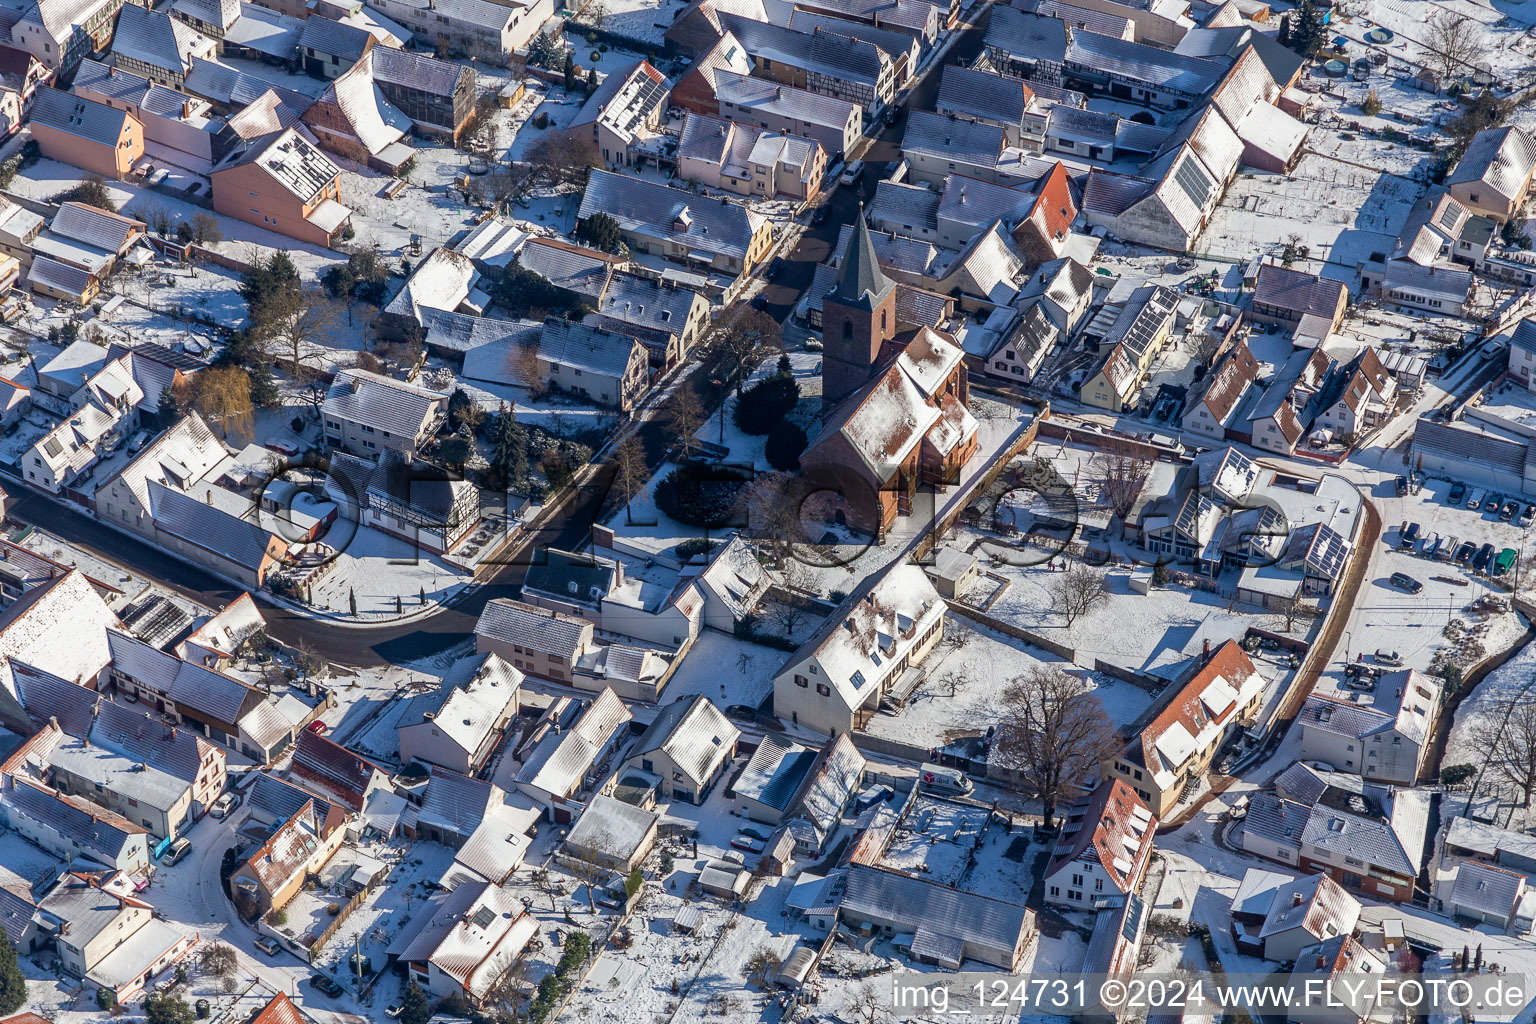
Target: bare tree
1052,733
1456,41
762,967
297,325
684,417
1078,590
1290,610
1121,476
630,474
867,1006
772,512
218,960
590,873
957,637
562,158
526,368
1508,735
205,228
790,614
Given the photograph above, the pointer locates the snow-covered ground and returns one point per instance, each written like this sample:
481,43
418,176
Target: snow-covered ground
380,570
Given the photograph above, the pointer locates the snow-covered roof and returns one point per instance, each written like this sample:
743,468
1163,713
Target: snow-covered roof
376,122
836,775
513,622
1111,827
59,627
291,160
704,224
157,39
1503,159
587,348
983,95
774,774
478,693
694,734
1316,904
984,926
1486,889
558,766
398,408
760,94
612,828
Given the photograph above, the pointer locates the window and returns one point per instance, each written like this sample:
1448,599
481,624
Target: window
1073,894
801,680
823,689
1055,890
1098,884
1077,879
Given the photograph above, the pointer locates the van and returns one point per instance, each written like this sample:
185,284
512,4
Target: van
944,780
1475,502
1447,550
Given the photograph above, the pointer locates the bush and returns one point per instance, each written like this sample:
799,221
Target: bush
1457,774
699,494
595,56
1371,105
785,444
695,546
766,403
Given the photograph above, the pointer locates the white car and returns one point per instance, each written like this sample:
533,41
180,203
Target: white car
224,804
851,172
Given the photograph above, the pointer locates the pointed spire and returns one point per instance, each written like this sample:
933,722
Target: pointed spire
860,282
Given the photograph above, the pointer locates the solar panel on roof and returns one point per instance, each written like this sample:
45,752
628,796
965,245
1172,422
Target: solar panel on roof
1193,181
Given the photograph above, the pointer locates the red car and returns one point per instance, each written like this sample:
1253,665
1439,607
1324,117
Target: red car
317,727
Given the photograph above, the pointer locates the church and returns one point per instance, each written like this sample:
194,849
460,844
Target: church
894,415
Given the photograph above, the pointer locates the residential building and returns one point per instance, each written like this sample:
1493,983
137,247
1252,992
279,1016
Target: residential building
1337,974
181,458
833,122
1213,413
352,119
697,26
1103,849
209,536
696,90
59,626
601,366
540,643
365,412
478,28
870,646
624,115
1276,916
1430,267
329,48
1483,894
557,766
830,786
612,834
172,121
474,705
582,271
1283,296
1007,103
687,747
157,46
73,829
1493,176
112,941
1368,838
1021,350
1384,741
1138,334
668,319
766,789
85,134
332,773
282,182
466,941
225,634
445,280
270,878
731,584
936,145
437,95
59,33
948,925
821,62
663,221
749,161
1191,721
415,501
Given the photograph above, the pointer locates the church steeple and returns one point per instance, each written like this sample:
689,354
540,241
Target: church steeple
858,316
860,282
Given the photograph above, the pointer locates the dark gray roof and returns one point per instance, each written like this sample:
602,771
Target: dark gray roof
1027,37
775,773
213,693
1111,193
533,628
431,491
860,282
115,83
78,116
646,303
895,44
334,39
145,737
586,347
567,266
947,138
391,405
15,915
782,100
280,799
1193,76
228,87
460,332
413,70
151,37
567,576
96,833
897,206
455,802
209,528
44,696
837,55
982,94
941,910
705,224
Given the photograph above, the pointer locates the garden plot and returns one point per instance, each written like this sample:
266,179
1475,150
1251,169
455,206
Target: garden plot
980,670
937,840
645,20
1343,213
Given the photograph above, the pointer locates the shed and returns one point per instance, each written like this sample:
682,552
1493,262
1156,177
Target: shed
686,919
797,968
724,879
953,571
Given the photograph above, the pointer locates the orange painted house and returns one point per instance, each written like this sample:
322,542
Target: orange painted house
284,183
85,134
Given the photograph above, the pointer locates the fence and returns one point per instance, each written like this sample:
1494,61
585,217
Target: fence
891,748
1008,629
1125,675
352,904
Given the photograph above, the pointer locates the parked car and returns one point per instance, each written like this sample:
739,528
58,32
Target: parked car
1240,808
317,727
1388,657
1408,536
760,834
1492,503
776,266
1458,492
734,856
1403,581
1503,562
1401,485
179,849
851,172
224,804
1430,546
1447,550
820,216
1474,500
759,302
747,843
1528,516
1482,558
394,1010
268,945
327,985
1510,509
1465,552
1365,684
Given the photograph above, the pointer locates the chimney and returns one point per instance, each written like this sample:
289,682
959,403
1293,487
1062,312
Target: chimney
1205,652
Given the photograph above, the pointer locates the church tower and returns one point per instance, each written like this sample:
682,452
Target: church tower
858,316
